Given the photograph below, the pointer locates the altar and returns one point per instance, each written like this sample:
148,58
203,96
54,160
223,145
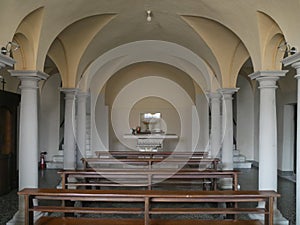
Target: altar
150,142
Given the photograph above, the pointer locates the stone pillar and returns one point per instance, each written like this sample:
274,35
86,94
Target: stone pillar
267,177
69,129
215,136
28,136
227,128
294,60
81,127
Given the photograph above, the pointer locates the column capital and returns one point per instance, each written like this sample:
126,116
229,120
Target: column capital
70,93
296,65
297,76
291,59
29,74
268,73
69,90
228,91
82,94
6,61
213,95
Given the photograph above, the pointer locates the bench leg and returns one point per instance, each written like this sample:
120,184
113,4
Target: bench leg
146,211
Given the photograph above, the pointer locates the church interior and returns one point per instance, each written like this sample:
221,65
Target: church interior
150,94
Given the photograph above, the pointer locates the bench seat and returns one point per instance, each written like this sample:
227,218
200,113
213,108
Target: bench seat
151,206
90,210
94,221
208,179
154,211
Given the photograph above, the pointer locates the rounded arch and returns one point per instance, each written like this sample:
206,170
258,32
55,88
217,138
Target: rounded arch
134,71
25,55
271,38
62,50
154,86
273,53
149,50
27,36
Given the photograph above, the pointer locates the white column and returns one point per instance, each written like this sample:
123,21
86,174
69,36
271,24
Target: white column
297,67
267,178
28,136
81,127
215,136
69,129
267,128
294,60
227,128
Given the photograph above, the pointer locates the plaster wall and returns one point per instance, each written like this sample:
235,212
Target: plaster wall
202,110
286,152
256,123
286,115
99,125
49,116
144,88
245,119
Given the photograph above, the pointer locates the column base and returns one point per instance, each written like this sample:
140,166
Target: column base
19,218
278,218
59,185
70,180
226,184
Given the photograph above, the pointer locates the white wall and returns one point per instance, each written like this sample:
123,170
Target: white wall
286,157
245,118
137,90
286,99
170,121
49,116
202,107
99,124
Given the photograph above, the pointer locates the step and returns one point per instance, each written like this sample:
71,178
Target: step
242,165
54,165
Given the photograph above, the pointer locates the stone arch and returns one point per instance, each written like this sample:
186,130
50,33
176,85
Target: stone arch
135,71
153,50
65,55
271,38
27,36
177,97
227,47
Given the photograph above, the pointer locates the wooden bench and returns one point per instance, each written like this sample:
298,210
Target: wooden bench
150,162
150,154
151,205
148,178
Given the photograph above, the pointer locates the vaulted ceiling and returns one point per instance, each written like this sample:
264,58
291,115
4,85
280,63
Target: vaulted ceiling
69,36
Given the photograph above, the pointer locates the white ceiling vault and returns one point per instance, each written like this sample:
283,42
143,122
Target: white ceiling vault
216,37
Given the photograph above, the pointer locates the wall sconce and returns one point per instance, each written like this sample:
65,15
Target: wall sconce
9,48
149,15
286,47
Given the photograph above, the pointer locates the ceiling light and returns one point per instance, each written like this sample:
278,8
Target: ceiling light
149,15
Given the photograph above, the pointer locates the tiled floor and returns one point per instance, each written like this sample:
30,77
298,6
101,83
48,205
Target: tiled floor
286,187
247,179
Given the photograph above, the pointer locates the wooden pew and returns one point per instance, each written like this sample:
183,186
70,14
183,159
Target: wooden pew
148,177
150,162
152,203
149,154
